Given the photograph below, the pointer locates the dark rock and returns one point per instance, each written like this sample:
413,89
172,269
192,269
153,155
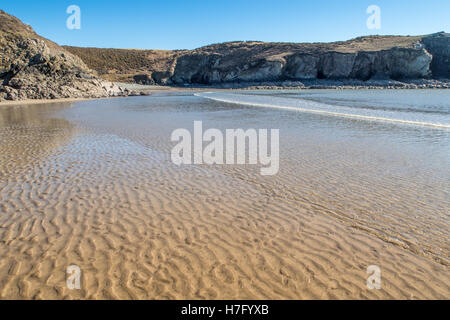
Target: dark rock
161,77
438,45
302,66
144,79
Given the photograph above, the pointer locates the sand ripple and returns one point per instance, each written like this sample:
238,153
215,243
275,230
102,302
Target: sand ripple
141,228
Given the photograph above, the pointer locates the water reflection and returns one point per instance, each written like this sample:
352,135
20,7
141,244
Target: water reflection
29,133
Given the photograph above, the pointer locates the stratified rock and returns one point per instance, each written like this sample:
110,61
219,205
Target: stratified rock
228,63
235,63
270,69
302,66
35,68
195,68
403,63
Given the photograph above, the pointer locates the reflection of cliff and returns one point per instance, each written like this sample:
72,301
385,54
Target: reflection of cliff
27,136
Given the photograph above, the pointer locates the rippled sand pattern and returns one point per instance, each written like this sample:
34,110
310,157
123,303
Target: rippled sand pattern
141,228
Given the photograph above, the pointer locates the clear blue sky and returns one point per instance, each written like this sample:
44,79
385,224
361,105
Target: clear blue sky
188,24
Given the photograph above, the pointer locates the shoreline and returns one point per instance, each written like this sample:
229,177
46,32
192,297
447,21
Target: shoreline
136,88
45,101
147,90
351,84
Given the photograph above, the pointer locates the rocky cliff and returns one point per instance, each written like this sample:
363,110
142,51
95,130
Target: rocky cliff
396,63
32,67
372,57
438,45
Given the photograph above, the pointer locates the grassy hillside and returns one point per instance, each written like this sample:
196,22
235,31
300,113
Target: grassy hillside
123,64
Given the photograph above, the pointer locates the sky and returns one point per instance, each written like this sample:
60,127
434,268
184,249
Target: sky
189,24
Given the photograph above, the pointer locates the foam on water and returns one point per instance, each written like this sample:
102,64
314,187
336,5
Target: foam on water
302,105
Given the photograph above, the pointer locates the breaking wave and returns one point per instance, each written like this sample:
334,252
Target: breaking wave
303,105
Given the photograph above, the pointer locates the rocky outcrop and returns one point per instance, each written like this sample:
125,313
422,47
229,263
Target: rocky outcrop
156,77
396,63
302,66
144,79
162,77
362,59
438,45
32,67
210,69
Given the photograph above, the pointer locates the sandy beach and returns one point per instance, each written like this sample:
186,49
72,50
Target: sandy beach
91,183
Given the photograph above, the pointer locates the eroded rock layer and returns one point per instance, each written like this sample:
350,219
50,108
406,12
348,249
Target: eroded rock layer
373,57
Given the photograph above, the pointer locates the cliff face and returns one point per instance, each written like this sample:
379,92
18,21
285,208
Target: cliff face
396,63
32,67
438,45
373,57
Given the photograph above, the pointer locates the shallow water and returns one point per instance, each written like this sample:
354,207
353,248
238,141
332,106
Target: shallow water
364,179
379,158
421,108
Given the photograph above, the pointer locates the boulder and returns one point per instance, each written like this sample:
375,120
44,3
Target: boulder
161,77
145,79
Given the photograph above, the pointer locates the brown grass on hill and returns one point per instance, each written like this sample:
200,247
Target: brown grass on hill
12,26
11,29
368,43
125,62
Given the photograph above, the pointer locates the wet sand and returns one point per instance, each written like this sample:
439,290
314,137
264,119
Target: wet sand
91,184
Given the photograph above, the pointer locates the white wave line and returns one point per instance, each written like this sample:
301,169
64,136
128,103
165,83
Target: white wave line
337,114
